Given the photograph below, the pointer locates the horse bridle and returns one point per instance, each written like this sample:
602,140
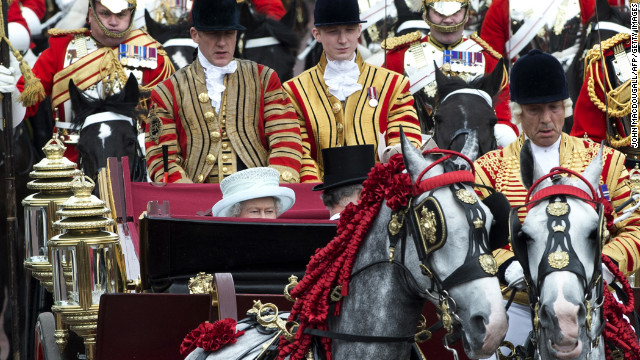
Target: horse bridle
466,131
420,220
559,252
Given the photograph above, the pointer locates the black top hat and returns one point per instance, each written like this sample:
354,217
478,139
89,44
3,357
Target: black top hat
346,165
538,78
216,15
336,12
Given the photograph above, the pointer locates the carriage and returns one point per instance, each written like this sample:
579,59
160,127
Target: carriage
175,239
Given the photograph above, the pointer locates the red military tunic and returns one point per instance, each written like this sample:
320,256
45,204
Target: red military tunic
54,71
589,118
396,62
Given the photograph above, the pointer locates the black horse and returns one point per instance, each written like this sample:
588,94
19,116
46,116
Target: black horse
108,129
461,107
175,39
270,42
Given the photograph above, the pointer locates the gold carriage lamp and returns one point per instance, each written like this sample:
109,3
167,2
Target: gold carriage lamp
87,261
53,176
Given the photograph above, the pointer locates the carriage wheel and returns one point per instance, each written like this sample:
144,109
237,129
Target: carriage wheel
45,342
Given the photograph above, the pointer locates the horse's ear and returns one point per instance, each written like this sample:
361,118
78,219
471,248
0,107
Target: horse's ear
469,150
153,27
603,9
77,100
491,83
131,90
593,171
289,18
527,164
414,162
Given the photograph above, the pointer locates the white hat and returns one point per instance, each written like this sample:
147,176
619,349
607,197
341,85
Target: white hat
250,184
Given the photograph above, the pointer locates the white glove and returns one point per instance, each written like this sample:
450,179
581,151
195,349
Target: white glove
7,80
607,275
504,134
514,275
389,151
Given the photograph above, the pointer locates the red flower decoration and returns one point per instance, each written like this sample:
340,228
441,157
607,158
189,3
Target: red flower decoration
210,336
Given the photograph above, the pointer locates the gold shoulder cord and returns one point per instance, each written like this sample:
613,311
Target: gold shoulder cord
33,91
618,107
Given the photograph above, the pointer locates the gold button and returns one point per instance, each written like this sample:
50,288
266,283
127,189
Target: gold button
225,158
203,97
225,146
215,135
223,121
200,178
340,127
286,176
336,108
209,116
225,170
211,159
224,133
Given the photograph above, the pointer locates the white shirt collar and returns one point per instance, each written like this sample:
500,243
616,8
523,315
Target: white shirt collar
341,76
547,157
214,78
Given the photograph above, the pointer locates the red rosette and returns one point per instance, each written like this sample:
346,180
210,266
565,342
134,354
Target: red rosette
210,336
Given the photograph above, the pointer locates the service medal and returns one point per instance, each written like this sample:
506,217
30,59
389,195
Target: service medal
373,96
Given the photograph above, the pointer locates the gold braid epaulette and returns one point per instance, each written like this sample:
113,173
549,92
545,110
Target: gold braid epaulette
394,42
60,32
593,60
485,45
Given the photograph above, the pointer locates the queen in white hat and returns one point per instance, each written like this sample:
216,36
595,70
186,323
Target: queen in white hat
253,193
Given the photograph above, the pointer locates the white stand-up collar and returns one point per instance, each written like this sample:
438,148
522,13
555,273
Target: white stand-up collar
214,78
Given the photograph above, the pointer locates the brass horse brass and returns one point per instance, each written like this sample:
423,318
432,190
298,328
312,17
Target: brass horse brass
558,259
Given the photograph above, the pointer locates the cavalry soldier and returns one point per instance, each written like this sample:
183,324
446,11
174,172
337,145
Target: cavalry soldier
513,27
220,115
98,60
456,55
593,107
540,95
343,100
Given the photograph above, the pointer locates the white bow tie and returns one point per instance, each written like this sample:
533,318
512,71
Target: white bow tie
341,77
214,76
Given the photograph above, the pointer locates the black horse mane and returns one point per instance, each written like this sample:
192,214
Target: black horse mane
123,103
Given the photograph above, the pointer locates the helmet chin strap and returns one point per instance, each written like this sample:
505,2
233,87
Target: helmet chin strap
106,31
446,28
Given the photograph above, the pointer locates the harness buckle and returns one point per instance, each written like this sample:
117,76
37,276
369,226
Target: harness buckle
422,336
444,316
336,294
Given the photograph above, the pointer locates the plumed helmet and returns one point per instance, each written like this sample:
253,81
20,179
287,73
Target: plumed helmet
538,78
117,6
216,15
336,12
446,8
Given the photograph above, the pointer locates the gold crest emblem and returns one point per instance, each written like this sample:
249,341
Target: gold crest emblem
466,196
488,264
155,125
557,208
558,259
428,223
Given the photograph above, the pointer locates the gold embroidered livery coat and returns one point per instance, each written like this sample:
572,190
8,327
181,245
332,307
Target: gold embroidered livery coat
256,119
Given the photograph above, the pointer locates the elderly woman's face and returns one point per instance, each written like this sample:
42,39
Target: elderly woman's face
264,208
